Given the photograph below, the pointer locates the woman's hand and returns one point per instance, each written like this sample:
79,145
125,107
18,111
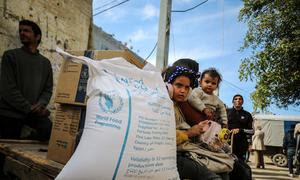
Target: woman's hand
198,129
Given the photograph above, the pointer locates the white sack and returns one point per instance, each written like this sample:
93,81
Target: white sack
129,129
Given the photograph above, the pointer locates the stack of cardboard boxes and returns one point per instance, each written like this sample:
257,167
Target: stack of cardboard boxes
71,98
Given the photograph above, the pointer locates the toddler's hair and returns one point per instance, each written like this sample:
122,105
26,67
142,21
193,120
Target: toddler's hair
213,73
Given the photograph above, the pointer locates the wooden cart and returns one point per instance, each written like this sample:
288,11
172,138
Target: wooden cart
26,160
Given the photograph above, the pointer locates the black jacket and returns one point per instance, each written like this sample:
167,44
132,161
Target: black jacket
289,141
239,119
242,120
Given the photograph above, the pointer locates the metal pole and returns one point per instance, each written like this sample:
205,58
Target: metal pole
163,34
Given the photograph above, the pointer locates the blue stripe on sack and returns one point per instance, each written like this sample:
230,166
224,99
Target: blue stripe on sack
126,136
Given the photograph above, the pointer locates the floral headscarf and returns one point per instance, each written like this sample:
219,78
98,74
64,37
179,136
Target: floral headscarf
179,70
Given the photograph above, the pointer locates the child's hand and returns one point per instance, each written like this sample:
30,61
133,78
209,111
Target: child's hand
209,113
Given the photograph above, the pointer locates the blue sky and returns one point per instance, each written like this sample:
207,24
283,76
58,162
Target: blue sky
210,34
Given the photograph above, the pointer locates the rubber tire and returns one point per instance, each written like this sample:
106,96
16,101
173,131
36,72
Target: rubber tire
280,160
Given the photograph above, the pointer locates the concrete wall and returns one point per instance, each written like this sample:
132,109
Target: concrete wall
64,23
100,40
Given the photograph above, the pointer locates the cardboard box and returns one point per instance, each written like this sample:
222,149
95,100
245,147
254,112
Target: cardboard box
68,122
72,81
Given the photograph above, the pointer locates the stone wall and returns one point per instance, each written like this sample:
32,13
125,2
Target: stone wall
101,40
64,23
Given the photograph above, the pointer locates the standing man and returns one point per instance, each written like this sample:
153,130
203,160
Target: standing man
240,123
26,84
289,148
297,150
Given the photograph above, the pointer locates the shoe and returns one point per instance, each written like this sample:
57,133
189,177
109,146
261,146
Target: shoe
291,175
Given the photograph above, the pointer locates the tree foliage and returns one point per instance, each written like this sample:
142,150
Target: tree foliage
274,37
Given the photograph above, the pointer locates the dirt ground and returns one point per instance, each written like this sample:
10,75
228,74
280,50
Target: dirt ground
271,172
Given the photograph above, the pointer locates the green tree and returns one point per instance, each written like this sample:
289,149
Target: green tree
274,37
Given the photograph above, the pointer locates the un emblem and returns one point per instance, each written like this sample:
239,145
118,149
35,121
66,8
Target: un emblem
110,102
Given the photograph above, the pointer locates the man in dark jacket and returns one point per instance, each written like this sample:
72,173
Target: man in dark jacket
25,86
240,123
289,148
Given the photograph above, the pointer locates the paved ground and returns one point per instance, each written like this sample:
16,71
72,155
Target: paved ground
270,172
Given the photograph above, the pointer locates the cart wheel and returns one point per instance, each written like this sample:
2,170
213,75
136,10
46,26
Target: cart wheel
280,160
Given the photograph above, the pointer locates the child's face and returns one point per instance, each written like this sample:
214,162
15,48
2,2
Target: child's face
209,84
181,87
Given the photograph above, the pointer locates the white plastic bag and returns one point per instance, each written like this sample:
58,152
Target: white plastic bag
211,132
129,129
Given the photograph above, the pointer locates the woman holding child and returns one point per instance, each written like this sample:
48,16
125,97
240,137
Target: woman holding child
179,81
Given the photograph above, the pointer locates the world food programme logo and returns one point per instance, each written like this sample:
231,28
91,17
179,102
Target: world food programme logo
110,102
